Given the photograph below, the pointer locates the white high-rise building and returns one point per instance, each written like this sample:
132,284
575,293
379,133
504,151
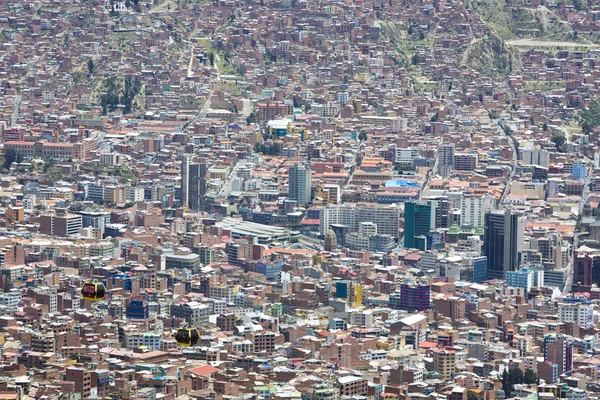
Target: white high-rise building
534,155
300,183
473,208
581,314
385,218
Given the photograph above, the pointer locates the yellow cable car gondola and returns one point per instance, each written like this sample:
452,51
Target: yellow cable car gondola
187,337
93,291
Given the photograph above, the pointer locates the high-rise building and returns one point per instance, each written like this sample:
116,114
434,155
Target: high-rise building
440,207
580,314
197,186
414,297
347,218
534,155
444,362
586,268
558,349
445,158
185,180
300,182
579,170
480,269
503,240
417,222
465,162
525,278
193,183
82,379
446,154
474,207
60,224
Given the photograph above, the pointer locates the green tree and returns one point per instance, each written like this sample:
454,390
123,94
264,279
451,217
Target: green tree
49,163
421,35
211,59
507,384
74,356
435,117
90,65
414,59
580,5
558,138
10,156
251,119
545,127
590,117
530,377
362,136
472,396
516,375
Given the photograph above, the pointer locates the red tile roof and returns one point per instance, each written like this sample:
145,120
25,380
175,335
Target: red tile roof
204,370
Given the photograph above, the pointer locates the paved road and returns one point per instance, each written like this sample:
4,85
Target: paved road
544,43
227,187
586,192
16,110
204,110
247,110
514,166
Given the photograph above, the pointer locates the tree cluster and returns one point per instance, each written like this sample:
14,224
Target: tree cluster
516,377
114,96
251,119
11,156
590,117
266,149
558,138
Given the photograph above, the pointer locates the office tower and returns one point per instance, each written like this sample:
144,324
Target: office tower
579,170
480,269
300,183
193,183
503,240
185,180
445,158
197,185
525,278
558,349
414,297
441,212
417,222
446,154
586,268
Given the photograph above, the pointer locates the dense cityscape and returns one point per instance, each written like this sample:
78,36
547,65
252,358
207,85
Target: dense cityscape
299,199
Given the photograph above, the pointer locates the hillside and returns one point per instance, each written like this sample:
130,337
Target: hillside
491,54
516,22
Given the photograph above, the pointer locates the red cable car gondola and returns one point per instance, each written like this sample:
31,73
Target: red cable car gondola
93,291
